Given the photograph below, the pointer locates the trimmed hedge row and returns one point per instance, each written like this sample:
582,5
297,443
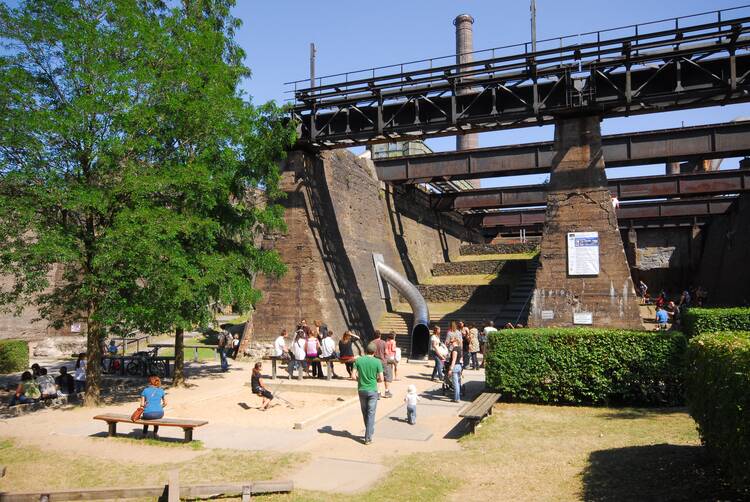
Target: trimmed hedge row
697,321
587,365
14,356
717,387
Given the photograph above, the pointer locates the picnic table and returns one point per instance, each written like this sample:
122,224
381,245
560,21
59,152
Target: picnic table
157,346
328,364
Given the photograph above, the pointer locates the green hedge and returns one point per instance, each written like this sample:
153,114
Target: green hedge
717,387
697,321
14,356
586,365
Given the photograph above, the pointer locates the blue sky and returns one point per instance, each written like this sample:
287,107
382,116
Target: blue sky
352,35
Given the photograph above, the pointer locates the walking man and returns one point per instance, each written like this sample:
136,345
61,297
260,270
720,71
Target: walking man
368,371
225,343
379,346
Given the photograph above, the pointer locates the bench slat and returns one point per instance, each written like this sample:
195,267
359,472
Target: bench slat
481,406
168,422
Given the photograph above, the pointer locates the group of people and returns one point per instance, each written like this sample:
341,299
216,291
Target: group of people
670,310
228,346
38,384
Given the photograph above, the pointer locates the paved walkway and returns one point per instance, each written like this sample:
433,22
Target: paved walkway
332,443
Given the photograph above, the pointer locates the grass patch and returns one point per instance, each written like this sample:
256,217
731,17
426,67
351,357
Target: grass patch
30,468
470,279
496,256
196,445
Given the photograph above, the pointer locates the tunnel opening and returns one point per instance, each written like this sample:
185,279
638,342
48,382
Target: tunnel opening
420,341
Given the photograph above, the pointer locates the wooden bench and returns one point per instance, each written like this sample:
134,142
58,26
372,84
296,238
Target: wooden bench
187,426
479,408
275,359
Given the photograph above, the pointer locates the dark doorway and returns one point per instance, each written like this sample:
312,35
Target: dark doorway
420,341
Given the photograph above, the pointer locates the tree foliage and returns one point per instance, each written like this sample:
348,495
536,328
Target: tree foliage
130,157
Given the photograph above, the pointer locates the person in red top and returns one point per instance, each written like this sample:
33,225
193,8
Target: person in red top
379,344
390,353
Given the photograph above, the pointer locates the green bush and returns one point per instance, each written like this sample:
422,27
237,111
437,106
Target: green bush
697,321
717,388
586,365
14,356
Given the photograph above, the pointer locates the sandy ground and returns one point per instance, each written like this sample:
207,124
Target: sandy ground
236,422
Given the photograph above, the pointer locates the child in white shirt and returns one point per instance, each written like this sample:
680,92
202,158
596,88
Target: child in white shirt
411,404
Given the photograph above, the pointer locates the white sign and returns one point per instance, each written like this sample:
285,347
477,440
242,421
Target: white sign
547,315
583,318
583,253
75,327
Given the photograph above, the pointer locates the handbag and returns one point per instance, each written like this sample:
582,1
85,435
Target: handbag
137,414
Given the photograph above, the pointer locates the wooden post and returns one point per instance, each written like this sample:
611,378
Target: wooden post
173,493
195,354
112,429
273,369
247,493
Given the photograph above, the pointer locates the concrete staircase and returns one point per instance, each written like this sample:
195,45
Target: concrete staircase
479,285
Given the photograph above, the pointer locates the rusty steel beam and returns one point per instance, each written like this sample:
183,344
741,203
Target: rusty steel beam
633,211
640,188
713,141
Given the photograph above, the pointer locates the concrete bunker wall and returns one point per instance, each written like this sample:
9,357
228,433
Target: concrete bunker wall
337,215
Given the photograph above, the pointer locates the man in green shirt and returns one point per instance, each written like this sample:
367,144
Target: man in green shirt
368,371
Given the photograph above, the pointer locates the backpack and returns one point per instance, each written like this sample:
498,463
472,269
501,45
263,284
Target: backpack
224,339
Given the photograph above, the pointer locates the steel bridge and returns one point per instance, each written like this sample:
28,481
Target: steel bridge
684,62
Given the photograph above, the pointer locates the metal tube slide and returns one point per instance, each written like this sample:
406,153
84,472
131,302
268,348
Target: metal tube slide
420,331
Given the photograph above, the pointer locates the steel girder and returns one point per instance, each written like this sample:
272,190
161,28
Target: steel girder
711,141
732,181
688,66
636,211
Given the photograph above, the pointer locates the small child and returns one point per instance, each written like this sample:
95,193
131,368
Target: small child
411,404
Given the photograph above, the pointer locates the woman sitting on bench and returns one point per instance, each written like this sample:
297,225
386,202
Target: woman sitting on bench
153,403
258,388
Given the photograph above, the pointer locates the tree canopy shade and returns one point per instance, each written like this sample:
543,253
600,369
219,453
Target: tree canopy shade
129,156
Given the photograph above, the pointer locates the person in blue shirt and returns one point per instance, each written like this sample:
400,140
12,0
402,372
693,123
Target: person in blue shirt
153,403
662,318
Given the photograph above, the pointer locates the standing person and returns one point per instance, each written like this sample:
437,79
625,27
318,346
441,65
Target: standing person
256,383
280,350
685,299
453,331
474,346
27,390
328,349
464,343
225,343
312,351
46,384
346,352
483,337
390,354
435,351
368,371
80,374
643,289
65,383
411,404
153,403
235,345
380,354
456,356
298,349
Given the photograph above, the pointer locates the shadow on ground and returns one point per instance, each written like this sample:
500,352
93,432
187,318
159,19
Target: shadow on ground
638,413
653,472
339,433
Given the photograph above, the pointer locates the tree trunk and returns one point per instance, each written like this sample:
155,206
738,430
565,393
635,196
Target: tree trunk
178,378
247,337
95,334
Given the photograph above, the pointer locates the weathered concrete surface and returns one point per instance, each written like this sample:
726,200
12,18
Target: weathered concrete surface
337,215
578,200
664,258
725,264
501,267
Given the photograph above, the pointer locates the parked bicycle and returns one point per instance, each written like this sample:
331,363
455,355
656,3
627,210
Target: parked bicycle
146,363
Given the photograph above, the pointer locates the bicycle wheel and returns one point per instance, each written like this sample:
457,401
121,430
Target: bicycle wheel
133,368
157,368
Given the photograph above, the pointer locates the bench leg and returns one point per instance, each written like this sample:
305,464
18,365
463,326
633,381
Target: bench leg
329,370
195,354
247,494
273,369
188,434
112,429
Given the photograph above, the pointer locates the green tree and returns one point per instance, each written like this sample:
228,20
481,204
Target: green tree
129,156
